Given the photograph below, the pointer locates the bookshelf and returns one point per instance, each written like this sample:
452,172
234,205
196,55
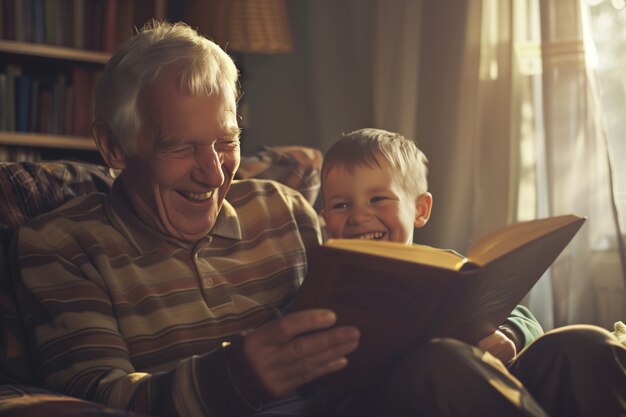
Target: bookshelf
51,54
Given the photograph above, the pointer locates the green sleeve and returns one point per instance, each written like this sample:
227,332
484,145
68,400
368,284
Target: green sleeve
524,325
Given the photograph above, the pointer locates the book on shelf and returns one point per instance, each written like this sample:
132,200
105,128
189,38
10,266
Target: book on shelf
82,80
109,22
22,102
4,103
78,24
81,24
400,295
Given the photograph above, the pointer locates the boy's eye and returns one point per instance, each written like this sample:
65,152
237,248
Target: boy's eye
378,198
339,206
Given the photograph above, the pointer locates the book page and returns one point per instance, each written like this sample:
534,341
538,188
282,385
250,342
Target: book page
510,238
420,254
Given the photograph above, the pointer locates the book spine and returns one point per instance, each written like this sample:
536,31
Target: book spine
110,18
3,102
49,18
34,105
9,19
81,80
78,16
22,102
39,25
45,98
124,23
19,21
13,71
28,21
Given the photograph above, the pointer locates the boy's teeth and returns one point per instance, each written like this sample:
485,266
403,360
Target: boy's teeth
371,236
197,196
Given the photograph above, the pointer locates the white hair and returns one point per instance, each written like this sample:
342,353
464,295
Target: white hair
159,48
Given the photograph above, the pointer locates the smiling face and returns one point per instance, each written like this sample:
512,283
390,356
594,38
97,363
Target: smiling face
187,159
369,203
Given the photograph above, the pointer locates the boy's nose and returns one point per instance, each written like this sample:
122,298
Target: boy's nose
359,215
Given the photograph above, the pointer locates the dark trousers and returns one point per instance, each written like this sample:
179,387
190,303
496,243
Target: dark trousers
573,371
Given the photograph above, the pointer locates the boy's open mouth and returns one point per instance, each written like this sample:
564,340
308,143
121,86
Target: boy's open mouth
370,236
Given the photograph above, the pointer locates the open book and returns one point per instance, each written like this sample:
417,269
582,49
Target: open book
398,295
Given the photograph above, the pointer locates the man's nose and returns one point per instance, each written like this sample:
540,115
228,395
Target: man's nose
209,166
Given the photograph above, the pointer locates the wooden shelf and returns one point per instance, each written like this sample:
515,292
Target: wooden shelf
54,52
41,140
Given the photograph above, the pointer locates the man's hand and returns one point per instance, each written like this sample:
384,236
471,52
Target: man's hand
499,346
297,348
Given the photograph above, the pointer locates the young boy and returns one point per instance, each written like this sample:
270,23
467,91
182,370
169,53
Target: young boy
374,187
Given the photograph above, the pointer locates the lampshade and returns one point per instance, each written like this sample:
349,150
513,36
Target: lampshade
260,26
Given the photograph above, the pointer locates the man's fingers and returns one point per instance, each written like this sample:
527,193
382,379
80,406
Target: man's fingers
337,341
294,324
299,347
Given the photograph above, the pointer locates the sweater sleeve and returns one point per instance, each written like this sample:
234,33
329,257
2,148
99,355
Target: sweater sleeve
521,327
79,350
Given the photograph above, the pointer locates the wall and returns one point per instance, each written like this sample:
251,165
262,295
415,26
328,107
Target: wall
323,88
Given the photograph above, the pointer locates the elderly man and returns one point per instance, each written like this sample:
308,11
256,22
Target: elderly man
123,290
168,295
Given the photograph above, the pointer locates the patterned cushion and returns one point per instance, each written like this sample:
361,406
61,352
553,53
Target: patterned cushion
28,189
296,166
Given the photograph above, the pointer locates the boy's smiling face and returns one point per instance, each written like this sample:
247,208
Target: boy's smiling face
370,203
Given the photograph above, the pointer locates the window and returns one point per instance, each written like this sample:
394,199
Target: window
608,31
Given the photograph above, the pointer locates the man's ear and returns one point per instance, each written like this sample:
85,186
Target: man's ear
107,146
423,206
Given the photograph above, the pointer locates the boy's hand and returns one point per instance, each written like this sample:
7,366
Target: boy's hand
499,346
297,348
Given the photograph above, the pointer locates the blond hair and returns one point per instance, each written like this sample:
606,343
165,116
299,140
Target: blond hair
368,146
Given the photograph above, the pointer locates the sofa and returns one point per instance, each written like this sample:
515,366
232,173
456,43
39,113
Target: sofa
28,189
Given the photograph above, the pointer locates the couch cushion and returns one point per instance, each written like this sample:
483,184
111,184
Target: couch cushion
296,166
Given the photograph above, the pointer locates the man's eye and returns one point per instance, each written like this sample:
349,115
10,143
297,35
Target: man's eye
227,145
179,150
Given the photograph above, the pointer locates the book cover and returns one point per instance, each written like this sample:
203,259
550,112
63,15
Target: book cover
399,295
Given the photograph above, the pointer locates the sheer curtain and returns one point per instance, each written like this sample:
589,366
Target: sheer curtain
509,117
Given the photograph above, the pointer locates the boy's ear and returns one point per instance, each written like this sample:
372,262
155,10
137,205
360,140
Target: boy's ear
423,206
107,146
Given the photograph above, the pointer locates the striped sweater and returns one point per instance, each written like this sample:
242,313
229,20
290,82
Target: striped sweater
128,317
